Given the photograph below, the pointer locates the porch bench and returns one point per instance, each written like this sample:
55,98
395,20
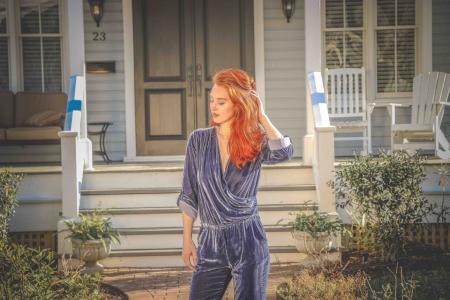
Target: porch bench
23,117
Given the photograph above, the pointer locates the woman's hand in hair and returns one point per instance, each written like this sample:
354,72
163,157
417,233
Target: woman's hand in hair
261,112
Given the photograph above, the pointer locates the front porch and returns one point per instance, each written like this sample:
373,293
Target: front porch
142,200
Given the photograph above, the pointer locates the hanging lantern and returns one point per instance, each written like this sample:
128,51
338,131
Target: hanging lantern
96,8
288,7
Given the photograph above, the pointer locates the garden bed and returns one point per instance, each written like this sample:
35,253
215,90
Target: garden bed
412,278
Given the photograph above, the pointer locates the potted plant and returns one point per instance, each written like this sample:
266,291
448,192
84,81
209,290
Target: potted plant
313,231
91,236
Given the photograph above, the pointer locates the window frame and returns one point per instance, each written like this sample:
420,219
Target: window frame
383,95
344,30
422,63
7,35
16,76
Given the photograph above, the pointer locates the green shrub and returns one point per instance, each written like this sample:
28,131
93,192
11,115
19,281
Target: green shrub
386,191
9,184
92,226
316,223
27,273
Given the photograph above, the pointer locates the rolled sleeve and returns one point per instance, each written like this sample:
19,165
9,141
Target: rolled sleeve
277,150
188,198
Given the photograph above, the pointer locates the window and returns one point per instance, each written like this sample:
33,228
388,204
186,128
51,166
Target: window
31,45
395,45
344,33
40,38
4,45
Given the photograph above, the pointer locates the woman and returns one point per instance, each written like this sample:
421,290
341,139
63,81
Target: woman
220,181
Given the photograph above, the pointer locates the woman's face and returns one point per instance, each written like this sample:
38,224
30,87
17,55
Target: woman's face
220,104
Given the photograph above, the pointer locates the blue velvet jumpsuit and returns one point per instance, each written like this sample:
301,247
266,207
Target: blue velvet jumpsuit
231,241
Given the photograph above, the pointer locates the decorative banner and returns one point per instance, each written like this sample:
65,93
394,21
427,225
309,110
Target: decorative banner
320,108
74,103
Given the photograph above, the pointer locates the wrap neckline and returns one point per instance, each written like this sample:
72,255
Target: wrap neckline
216,142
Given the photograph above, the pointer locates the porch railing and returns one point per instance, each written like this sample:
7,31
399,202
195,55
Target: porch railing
76,156
323,144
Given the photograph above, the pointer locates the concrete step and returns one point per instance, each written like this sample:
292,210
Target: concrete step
166,197
171,257
172,237
148,217
170,176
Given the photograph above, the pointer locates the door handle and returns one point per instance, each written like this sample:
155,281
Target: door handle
190,78
199,79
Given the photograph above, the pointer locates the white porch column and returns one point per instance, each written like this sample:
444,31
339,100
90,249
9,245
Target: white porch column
128,49
76,66
313,52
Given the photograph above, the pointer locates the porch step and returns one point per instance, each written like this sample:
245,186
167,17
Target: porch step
145,217
171,257
165,177
142,205
160,238
164,197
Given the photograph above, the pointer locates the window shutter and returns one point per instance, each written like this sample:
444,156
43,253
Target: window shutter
344,34
4,67
334,13
52,63
354,13
395,45
405,59
3,17
41,45
4,52
50,17
32,67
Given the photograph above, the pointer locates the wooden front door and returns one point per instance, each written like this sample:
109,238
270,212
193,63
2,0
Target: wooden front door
178,46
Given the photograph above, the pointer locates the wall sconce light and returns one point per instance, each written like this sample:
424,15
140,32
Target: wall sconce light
96,8
288,7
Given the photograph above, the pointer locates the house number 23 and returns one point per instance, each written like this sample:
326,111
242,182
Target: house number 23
99,36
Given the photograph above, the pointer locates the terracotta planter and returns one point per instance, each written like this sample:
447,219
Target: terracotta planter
306,244
91,252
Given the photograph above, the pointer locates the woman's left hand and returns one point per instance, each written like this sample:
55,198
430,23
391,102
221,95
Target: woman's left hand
261,112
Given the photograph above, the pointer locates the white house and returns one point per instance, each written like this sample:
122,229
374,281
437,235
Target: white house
159,57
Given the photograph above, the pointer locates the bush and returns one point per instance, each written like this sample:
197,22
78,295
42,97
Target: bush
93,226
9,184
316,223
387,193
27,273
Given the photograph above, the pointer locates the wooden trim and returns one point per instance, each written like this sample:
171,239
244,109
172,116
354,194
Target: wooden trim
29,142
181,54
148,134
260,74
426,38
130,119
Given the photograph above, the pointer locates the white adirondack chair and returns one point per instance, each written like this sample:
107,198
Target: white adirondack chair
347,104
430,97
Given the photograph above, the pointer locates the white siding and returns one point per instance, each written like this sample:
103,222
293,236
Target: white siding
105,93
284,49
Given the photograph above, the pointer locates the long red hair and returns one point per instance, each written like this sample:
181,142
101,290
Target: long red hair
246,137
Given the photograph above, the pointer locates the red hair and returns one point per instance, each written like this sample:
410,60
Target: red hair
246,136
